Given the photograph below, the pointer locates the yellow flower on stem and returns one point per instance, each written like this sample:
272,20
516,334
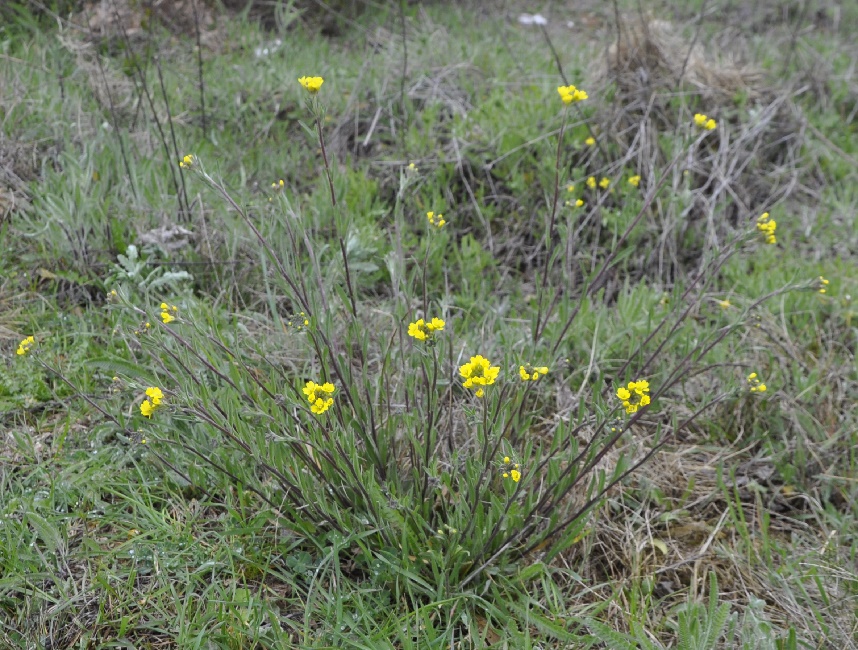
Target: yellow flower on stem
311,84
511,470
571,95
423,331
154,393
605,183
188,161
755,385
436,220
478,373
532,373
634,396
168,312
635,181
590,141
822,283
591,182
704,122
147,408
319,396
767,226
25,345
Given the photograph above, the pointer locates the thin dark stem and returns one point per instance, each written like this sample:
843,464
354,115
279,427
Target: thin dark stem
200,70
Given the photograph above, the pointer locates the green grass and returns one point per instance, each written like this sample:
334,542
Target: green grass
182,530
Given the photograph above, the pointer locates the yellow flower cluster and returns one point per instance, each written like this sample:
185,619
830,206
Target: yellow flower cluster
604,183
634,396
511,470
423,331
767,226
478,373
166,314
571,95
704,122
25,345
311,84
436,220
279,185
148,407
532,373
822,282
319,396
590,141
755,385
188,161
635,181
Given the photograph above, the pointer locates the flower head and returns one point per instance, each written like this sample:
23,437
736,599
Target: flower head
154,398
590,141
436,220
570,188
704,122
319,396
154,393
168,312
510,469
579,203
571,95
724,304
755,385
605,183
822,283
311,84
423,331
188,161
635,181
591,182
634,396
532,373
279,185
477,373
25,345
767,226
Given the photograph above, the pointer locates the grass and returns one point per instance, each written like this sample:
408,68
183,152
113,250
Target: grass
236,518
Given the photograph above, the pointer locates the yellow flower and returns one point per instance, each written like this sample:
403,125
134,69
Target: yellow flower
167,317
436,220
423,331
767,226
511,470
590,141
755,385
591,182
279,185
188,161
723,304
579,203
311,84
823,284
635,181
571,95
570,188
604,183
515,475
704,122
155,394
25,345
319,396
532,373
634,396
147,408
477,373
